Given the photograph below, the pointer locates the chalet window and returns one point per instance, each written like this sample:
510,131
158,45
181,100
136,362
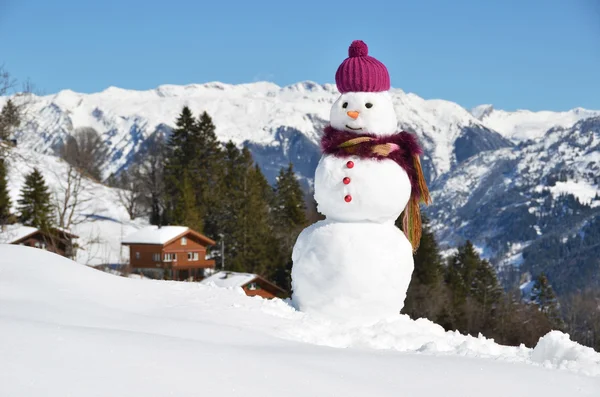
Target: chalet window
253,286
183,241
156,257
170,258
192,256
137,255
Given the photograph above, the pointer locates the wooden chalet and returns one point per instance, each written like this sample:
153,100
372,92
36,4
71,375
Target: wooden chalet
56,240
176,249
252,284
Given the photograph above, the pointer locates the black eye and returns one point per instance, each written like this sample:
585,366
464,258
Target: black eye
345,105
368,105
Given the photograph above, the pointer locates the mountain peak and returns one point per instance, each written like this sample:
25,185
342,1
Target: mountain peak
308,86
482,111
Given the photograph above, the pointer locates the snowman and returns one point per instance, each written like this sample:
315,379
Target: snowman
355,266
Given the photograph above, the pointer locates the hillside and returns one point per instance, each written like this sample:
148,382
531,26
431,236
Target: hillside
515,201
100,220
66,329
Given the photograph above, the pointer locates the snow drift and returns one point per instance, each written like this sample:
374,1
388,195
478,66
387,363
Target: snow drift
67,329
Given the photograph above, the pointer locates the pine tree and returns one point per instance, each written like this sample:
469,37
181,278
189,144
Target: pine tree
5,202
193,148
208,172
245,218
428,262
485,287
461,270
542,294
257,237
34,204
288,218
426,295
226,214
9,119
474,288
289,207
180,153
186,209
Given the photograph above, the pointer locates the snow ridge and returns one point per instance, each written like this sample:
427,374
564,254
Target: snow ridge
254,113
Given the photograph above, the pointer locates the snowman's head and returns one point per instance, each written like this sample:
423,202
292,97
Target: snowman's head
363,112
365,104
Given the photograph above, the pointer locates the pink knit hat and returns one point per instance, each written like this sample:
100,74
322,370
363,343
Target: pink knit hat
360,72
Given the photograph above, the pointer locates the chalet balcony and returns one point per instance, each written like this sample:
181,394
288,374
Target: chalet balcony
199,264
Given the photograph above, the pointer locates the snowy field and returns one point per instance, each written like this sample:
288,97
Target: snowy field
70,330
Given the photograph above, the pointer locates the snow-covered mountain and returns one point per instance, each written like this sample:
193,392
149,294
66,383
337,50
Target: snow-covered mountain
279,124
522,125
68,330
514,201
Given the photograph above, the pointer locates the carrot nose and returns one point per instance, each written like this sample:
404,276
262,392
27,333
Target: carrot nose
353,114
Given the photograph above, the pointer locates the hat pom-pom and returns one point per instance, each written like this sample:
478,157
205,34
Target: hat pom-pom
358,48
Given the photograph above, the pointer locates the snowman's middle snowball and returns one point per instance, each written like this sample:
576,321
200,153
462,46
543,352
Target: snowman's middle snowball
379,189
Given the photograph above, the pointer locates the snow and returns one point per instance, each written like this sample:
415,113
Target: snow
556,350
67,329
380,189
329,277
11,233
254,112
155,235
583,190
226,279
100,220
526,289
522,125
379,119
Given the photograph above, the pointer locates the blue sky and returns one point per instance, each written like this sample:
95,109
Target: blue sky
534,54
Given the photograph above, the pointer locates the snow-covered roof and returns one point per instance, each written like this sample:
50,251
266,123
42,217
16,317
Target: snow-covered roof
155,235
227,279
15,232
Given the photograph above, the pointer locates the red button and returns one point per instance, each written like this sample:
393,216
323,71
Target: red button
346,180
348,198
350,164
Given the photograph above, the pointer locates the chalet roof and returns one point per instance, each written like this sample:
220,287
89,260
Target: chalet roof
155,235
16,232
227,279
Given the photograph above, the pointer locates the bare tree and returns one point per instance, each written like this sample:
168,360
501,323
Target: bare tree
150,165
581,311
86,151
130,191
68,199
7,82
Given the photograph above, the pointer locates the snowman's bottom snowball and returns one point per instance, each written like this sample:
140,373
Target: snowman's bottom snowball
352,272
